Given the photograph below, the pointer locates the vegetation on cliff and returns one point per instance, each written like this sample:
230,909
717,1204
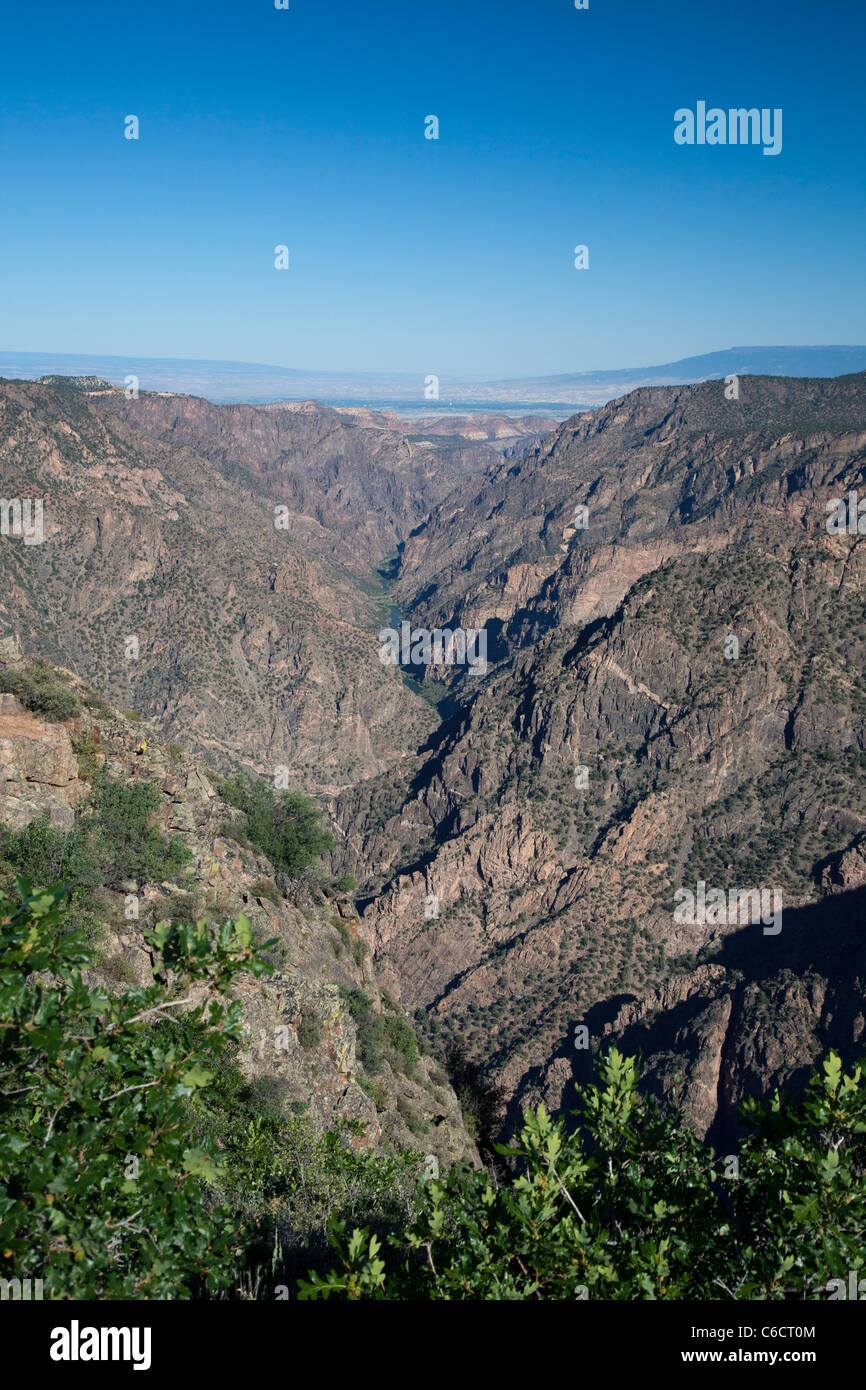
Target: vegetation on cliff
633,1206
114,841
136,1162
285,827
40,688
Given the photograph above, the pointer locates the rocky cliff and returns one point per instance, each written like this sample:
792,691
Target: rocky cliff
676,695
679,697
302,1037
213,567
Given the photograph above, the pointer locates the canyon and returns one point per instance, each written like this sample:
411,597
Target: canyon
607,651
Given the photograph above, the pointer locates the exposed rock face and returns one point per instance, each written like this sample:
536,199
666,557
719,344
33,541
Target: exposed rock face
622,750
38,771
238,545
759,1018
300,1032
663,469
676,696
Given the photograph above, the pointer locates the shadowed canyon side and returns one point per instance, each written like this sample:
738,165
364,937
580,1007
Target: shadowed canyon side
675,693
523,882
239,545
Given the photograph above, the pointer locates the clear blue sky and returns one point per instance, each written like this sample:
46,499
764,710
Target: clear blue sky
306,127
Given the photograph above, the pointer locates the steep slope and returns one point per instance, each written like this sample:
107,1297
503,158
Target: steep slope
739,765
308,1026
238,547
753,1015
657,468
677,693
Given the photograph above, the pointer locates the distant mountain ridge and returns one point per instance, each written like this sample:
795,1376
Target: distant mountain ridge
598,387
404,393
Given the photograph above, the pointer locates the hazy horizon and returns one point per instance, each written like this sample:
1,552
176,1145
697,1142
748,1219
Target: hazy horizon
402,393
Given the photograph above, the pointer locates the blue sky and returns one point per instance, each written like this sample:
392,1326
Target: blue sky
455,257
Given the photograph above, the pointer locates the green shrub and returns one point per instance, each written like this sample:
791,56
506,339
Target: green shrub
631,1205
112,841
369,1027
401,1038
129,845
86,749
42,854
288,1184
101,1180
377,1093
41,689
286,827
381,1037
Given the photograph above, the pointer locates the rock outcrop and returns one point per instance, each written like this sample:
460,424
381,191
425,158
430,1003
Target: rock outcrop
679,695
301,1036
